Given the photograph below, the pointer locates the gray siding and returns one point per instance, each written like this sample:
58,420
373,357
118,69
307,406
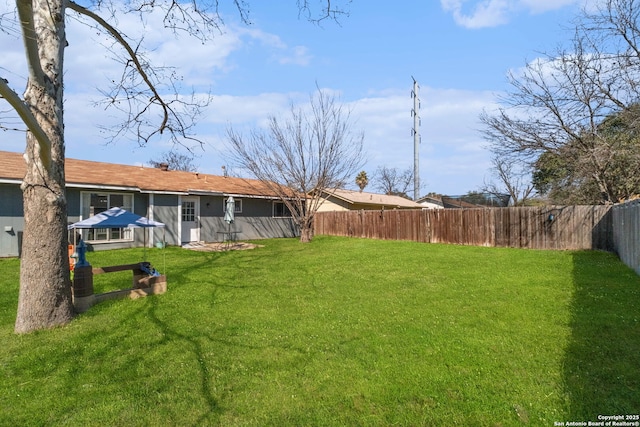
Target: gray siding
254,222
165,210
73,204
141,207
11,220
211,214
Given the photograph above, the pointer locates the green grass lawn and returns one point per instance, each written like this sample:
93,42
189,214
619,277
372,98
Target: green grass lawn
337,332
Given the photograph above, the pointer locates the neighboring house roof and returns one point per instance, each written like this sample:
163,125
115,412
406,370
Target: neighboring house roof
358,198
431,202
456,203
448,202
89,174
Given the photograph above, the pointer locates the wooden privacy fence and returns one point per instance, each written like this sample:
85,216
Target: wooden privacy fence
540,227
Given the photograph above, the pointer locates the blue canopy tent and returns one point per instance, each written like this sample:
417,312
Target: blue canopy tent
117,218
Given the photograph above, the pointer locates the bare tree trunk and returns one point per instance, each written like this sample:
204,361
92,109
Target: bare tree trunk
45,287
306,234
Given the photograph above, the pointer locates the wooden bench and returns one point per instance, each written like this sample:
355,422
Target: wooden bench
142,284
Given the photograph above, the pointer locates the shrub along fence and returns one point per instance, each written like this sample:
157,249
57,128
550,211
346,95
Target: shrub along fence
610,228
541,227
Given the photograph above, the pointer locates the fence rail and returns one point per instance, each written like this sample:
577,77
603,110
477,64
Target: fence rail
544,227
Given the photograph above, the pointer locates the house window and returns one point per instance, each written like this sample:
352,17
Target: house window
280,210
95,203
188,211
237,204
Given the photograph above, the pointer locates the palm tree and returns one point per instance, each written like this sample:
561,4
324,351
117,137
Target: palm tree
362,180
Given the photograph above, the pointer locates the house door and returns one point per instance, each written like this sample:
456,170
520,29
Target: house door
190,219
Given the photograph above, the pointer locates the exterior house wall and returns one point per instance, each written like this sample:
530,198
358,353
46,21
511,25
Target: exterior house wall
165,210
73,204
73,212
211,213
361,206
11,220
333,204
430,205
140,207
267,228
255,221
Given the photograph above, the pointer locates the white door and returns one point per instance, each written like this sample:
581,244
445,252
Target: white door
190,219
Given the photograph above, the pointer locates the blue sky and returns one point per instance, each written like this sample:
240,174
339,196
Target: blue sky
458,50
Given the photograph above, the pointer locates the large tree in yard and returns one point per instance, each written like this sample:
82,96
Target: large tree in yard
312,151
142,96
572,116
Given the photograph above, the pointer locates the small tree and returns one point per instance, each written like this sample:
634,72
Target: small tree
393,181
175,161
312,151
512,178
362,180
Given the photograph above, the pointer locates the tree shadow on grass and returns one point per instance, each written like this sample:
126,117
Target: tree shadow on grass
193,345
602,361
197,342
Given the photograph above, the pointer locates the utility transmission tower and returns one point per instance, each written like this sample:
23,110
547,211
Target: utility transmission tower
415,131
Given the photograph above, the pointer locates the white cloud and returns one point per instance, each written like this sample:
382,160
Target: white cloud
486,13
225,109
297,55
475,14
280,52
541,6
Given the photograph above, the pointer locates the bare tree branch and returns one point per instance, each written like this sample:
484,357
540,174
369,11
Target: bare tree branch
392,181
511,179
132,55
328,11
136,105
25,14
29,120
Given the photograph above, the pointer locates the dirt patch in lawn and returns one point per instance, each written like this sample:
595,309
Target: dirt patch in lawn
220,246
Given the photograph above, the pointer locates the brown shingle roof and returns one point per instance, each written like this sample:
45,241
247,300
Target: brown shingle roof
360,197
145,179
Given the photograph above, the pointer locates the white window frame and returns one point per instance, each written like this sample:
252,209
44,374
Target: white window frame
192,214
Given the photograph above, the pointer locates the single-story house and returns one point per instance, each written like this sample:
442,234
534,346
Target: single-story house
431,202
349,200
191,204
